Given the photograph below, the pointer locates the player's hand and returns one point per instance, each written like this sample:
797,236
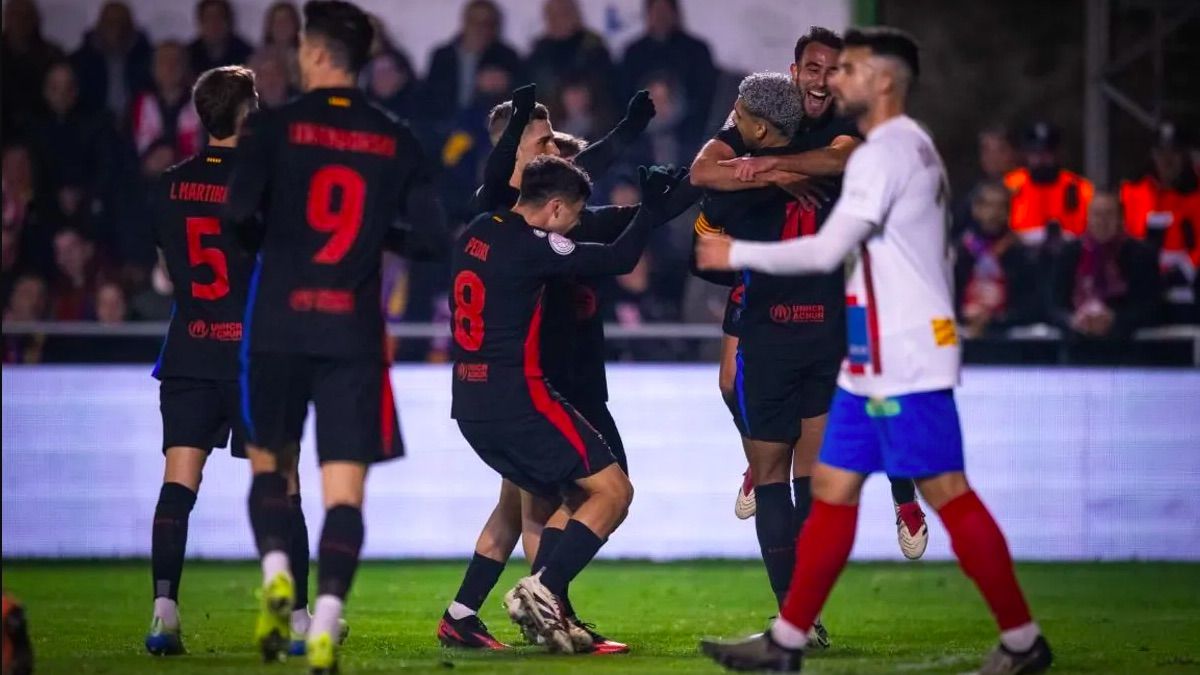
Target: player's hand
712,252
641,109
809,192
524,98
658,182
746,169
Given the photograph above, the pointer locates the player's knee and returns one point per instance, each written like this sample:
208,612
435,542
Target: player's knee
835,486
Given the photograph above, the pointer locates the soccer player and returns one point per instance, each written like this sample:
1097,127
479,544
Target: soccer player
199,394
811,170
514,421
894,409
332,175
521,131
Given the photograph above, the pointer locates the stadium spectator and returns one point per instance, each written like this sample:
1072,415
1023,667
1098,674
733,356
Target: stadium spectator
666,46
1048,201
76,150
113,63
25,56
281,36
1162,207
450,84
27,303
390,79
165,112
1104,284
578,111
27,232
568,48
997,158
216,45
110,304
996,276
77,276
271,78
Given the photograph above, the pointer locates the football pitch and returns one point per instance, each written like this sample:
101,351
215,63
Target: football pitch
884,618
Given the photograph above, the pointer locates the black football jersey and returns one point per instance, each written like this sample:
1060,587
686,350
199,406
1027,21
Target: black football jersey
332,174
208,266
500,268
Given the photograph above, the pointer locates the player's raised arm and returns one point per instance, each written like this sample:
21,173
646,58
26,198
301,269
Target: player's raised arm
498,170
421,232
597,157
251,172
603,224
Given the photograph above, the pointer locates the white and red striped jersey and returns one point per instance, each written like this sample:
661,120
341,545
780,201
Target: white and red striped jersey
899,293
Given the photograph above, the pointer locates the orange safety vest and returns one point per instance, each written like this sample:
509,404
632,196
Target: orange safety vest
1034,204
1178,212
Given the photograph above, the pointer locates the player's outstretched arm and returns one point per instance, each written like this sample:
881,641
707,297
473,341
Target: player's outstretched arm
503,159
827,161
251,175
707,172
421,233
820,253
598,157
603,224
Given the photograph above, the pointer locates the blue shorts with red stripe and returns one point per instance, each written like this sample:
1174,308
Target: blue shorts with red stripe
909,436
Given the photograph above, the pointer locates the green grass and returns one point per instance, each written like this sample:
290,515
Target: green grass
884,618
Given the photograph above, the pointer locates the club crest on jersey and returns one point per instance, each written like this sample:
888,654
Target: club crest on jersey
560,244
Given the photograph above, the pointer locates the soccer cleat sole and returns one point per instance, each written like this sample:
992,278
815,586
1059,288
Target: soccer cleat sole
745,506
273,630
716,652
556,637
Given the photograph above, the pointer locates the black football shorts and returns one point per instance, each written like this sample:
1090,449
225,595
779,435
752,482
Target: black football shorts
542,452
352,399
597,414
202,414
773,392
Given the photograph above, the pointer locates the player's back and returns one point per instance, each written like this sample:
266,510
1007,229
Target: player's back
208,266
902,332
336,171
496,303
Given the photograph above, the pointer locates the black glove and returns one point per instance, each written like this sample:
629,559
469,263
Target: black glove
640,110
658,182
524,98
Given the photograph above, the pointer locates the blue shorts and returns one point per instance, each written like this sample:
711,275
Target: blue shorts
910,436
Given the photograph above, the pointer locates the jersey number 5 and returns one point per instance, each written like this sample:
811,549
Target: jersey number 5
211,257
346,219
469,296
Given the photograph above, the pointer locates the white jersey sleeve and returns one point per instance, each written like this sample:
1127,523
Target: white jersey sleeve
870,184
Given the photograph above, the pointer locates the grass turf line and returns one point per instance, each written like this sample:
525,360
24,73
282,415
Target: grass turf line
884,618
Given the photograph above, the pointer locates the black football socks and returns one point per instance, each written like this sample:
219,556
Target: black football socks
903,490
573,553
482,575
802,496
298,552
551,536
776,536
270,512
341,543
168,541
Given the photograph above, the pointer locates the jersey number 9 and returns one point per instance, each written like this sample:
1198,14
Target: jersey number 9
469,296
344,221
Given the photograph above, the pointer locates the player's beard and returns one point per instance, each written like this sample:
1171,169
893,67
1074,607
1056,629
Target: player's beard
852,109
809,102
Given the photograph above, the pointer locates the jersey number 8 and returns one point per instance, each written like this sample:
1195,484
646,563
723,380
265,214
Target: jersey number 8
344,221
469,296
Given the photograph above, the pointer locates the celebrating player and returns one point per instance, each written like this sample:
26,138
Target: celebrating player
894,410
198,366
332,173
521,131
812,171
506,411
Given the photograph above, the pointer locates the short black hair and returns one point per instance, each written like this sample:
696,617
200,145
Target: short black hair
345,28
820,35
888,41
223,4
547,177
569,145
499,116
219,95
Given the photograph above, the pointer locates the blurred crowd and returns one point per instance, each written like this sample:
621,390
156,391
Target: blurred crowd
85,133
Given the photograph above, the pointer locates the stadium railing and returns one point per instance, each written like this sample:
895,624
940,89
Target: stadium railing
1163,345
